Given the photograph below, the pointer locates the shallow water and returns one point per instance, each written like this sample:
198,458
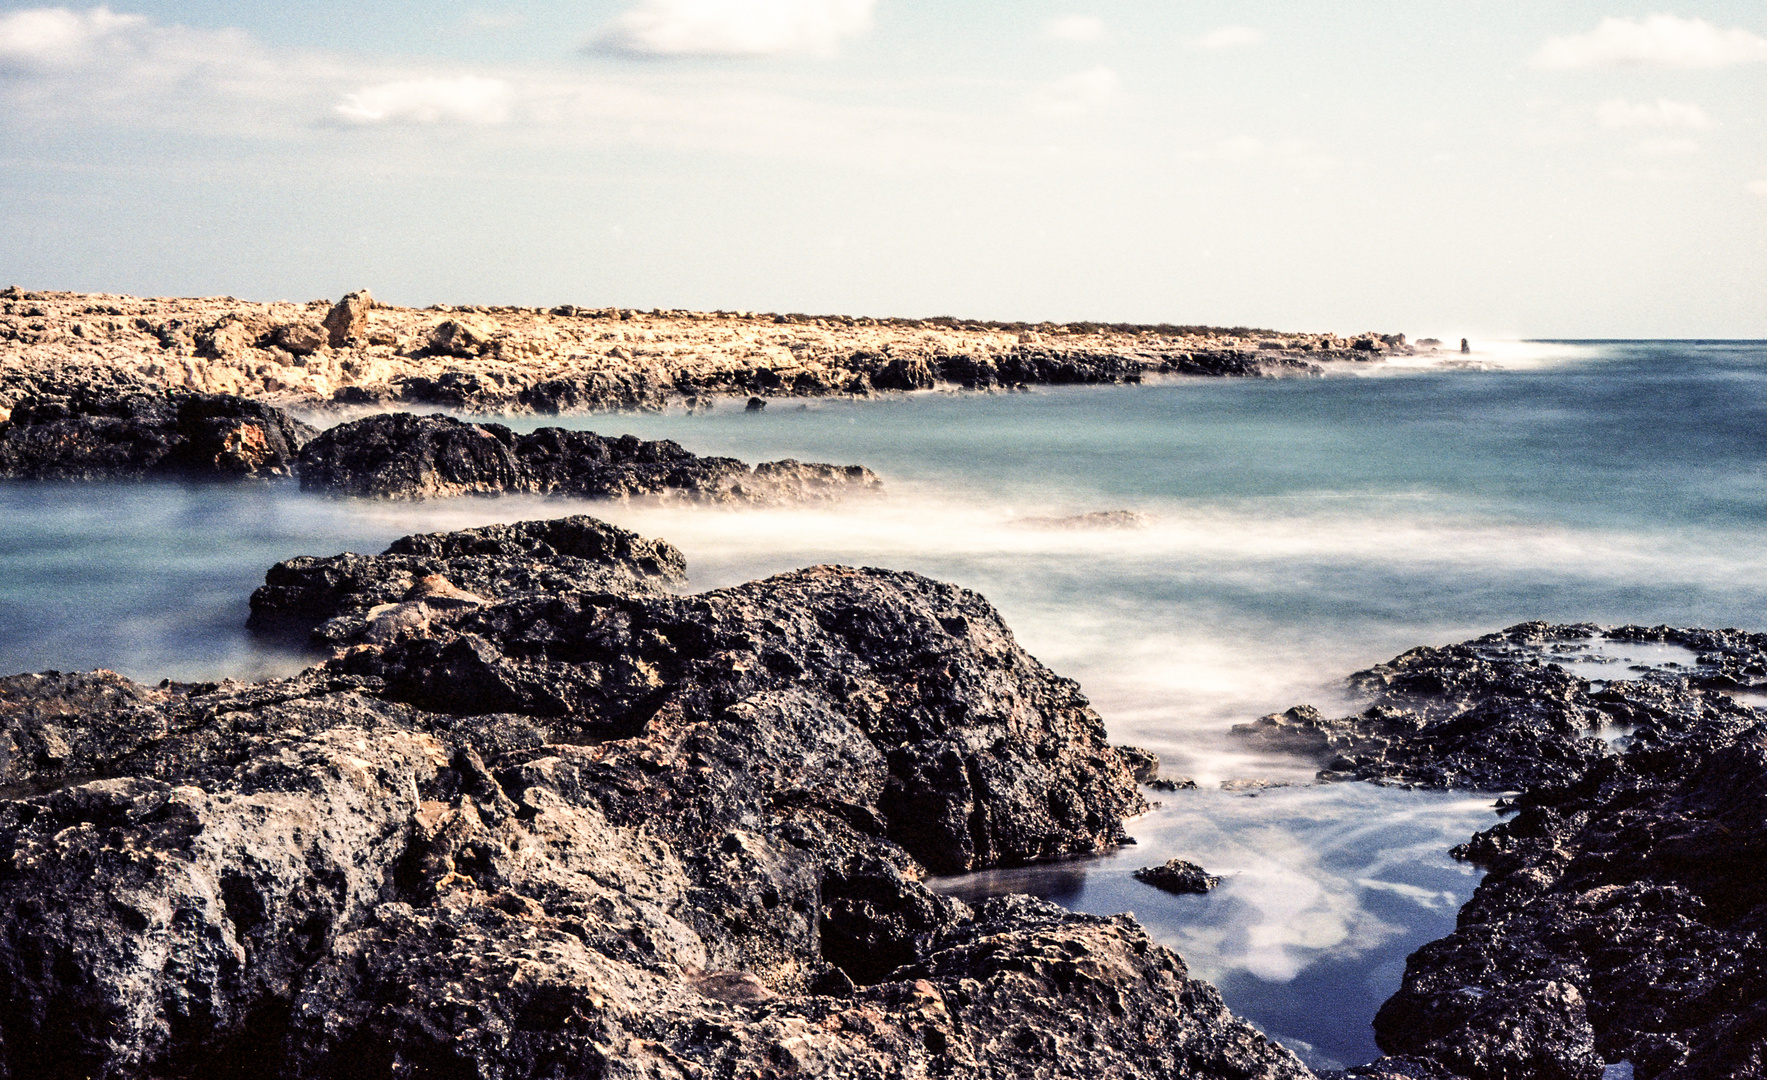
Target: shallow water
1298,530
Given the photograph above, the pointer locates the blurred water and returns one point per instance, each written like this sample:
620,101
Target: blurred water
1298,530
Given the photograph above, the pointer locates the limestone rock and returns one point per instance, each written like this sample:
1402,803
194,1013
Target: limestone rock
347,321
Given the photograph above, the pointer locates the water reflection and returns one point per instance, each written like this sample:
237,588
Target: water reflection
1325,890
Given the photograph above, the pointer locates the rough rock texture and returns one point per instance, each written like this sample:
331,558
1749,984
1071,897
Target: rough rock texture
585,835
403,456
108,431
567,359
1178,876
342,598
1622,917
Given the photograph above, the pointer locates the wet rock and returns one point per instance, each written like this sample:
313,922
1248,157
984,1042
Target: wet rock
1621,916
403,456
755,405
1172,783
340,597
315,878
103,436
1178,876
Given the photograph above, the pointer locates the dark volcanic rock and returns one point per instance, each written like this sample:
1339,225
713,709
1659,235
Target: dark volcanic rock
930,717
100,435
340,598
643,836
1178,876
1623,913
403,456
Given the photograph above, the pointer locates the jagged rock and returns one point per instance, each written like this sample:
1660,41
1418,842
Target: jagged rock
339,597
399,455
300,338
970,786
314,878
459,337
347,321
1621,918
1178,876
85,436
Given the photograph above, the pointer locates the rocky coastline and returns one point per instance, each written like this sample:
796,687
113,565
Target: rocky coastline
565,822
1622,919
357,353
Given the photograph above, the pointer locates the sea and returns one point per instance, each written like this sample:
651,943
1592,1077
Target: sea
1284,534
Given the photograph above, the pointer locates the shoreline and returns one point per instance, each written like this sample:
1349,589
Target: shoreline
358,352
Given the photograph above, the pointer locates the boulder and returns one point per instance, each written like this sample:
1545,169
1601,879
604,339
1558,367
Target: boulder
347,321
1178,876
300,338
460,337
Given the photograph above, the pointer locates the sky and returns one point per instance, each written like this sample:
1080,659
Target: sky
1499,169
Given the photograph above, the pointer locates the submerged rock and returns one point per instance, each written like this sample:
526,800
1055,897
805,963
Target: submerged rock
101,435
582,833
1178,876
403,456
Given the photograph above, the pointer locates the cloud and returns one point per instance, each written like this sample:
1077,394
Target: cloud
47,38
1662,114
467,98
1077,94
1756,187
1074,28
1653,41
1229,37
734,27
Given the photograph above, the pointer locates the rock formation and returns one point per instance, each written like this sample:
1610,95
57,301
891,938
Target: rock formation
342,598
82,433
585,833
1623,917
572,359
1178,876
402,456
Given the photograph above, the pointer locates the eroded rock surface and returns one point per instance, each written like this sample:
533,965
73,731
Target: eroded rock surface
1622,918
1502,712
107,431
570,359
341,598
586,834
403,456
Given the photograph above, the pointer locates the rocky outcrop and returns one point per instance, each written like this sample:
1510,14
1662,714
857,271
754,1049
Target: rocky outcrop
84,433
345,598
570,359
1623,913
585,834
403,456
1178,876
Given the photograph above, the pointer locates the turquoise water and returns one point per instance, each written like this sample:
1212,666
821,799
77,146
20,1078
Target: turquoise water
1297,530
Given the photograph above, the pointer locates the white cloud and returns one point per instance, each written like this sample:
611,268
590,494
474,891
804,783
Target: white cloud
1653,41
1668,147
1660,114
43,38
1074,28
734,27
1229,37
467,98
1077,94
